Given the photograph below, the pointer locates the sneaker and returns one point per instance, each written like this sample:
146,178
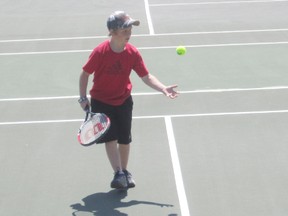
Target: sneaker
119,181
130,180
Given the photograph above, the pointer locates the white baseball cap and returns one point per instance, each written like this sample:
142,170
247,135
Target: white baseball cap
120,20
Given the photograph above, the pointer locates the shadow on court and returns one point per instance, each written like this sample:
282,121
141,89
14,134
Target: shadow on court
107,204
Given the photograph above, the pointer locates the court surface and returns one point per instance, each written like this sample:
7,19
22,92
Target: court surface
219,149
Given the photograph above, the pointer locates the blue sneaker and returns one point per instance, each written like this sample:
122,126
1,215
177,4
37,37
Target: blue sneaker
130,180
119,181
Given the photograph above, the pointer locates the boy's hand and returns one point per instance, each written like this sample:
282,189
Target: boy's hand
84,103
170,92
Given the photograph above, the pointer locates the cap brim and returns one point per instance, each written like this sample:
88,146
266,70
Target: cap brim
131,22
136,22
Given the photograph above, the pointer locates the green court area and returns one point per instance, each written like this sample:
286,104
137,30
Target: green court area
218,149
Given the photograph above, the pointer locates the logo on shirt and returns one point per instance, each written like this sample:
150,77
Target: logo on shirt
115,68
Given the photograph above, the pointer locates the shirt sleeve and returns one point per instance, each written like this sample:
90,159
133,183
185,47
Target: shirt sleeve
140,67
91,64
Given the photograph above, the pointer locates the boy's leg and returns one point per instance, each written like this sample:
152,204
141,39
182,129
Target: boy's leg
120,180
113,155
118,155
124,150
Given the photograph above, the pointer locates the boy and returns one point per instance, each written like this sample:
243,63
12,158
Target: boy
111,63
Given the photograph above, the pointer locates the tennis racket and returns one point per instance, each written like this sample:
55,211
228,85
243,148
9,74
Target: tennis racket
93,128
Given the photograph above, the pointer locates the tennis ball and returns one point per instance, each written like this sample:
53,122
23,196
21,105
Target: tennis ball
181,50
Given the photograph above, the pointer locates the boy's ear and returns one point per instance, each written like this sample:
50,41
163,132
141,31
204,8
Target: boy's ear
112,32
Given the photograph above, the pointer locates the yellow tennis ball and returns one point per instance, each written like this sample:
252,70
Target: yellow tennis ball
181,50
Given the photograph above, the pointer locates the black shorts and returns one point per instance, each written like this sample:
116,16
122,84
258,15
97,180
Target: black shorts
121,120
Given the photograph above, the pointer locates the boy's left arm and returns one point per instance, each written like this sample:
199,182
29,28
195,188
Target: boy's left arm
154,83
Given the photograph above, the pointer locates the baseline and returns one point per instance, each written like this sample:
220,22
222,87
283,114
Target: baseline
146,35
151,48
151,93
155,116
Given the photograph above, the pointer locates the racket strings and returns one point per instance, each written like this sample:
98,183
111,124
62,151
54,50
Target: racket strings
101,122
93,128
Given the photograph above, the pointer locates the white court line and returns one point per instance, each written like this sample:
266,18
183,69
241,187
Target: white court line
147,35
45,52
153,93
39,98
219,2
149,18
157,116
52,39
177,168
217,45
214,114
41,122
151,48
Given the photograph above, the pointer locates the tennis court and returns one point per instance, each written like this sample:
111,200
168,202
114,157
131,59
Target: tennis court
219,149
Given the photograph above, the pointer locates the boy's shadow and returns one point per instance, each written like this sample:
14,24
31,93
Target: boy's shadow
102,204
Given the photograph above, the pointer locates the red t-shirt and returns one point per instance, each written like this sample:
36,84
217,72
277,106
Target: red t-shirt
111,83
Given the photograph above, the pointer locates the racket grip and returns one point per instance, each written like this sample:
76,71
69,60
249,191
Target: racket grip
87,108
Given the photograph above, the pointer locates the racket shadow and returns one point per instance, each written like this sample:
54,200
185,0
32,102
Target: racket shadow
104,204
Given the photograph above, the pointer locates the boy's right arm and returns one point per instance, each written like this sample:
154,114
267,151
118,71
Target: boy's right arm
83,82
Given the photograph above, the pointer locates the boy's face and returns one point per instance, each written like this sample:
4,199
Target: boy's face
122,35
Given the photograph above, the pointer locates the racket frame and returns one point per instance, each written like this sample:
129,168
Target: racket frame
96,127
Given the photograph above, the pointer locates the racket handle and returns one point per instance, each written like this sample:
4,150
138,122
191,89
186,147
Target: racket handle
87,110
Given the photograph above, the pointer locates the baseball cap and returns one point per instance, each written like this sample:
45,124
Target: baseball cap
120,19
